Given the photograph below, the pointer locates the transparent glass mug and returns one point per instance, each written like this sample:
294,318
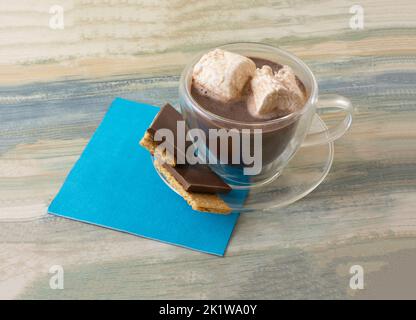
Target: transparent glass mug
281,137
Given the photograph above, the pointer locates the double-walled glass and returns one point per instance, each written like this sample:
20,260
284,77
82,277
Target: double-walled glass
281,137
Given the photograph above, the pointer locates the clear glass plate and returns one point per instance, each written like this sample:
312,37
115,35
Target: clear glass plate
305,171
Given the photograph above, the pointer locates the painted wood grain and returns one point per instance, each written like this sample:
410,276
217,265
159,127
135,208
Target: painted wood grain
55,86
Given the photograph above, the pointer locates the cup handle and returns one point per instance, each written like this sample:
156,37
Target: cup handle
331,101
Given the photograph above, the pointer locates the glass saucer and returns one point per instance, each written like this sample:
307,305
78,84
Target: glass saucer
305,171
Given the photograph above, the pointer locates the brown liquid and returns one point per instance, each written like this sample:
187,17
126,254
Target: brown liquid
274,142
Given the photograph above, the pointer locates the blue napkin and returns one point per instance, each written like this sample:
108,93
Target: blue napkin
114,185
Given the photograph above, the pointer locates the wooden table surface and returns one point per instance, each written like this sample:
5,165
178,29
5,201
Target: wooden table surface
56,85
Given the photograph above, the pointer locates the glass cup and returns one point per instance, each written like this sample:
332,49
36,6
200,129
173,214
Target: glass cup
281,137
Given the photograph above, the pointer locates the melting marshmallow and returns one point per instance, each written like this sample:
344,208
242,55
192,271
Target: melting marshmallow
222,75
274,94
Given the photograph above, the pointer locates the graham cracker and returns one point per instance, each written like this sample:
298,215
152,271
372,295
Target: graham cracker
204,202
148,143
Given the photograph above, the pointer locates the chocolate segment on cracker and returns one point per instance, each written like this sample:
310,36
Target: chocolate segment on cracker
148,143
167,118
197,184
198,178
205,202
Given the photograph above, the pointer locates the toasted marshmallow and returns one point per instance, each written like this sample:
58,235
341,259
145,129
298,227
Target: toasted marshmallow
222,75
274,94
288,78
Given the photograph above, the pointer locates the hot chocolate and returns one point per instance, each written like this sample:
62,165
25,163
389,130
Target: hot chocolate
274,140
238,110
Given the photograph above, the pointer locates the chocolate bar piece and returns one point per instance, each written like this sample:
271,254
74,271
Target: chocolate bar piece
197,184
198,178
165,119
204,202
168,118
